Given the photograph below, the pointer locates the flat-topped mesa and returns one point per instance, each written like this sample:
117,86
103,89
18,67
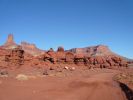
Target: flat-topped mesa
100,50
92,51
26,45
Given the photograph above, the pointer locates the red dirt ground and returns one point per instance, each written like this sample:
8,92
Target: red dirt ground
80,85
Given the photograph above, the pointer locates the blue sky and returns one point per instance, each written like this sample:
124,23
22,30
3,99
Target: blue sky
69,23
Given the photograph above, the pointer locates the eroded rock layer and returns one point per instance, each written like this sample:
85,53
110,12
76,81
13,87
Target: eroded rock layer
83,60
27,54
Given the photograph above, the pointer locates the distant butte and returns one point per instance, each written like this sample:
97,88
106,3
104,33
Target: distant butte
10,42
27,47
99,50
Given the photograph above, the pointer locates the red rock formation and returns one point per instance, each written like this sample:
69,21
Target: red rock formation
3,53
61,57
10,40
51,50
60,54
16,57
27,47
93,51
31,49
79,59
10,44
105,61
69,57
93,57
60,49
52,56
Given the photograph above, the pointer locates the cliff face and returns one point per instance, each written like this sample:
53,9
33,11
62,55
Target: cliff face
93,61
31,49
100,50
16,57
11,57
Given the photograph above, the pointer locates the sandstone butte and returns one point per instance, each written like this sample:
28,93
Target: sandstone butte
26,54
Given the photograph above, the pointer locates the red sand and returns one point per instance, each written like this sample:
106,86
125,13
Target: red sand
92,85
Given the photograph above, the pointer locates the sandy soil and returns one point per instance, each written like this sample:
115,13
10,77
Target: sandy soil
80,85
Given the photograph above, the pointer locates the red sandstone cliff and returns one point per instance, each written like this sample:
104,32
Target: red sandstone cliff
31,49
93,50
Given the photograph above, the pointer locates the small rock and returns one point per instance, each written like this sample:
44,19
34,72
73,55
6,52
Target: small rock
51,68
72,69
4,73
66,67
22,77
45,72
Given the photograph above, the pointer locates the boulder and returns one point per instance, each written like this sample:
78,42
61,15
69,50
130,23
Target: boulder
60,49
69,58
61,57
16,56
51,56
79,59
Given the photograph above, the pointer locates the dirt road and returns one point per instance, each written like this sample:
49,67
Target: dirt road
93,86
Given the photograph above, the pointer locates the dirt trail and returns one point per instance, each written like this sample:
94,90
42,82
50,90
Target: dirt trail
94,87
